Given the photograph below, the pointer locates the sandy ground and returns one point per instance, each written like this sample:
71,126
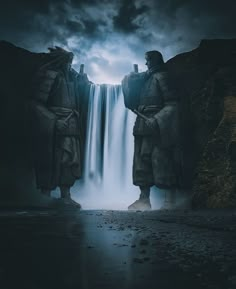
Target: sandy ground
117,249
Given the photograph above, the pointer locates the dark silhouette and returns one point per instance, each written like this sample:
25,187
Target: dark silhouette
152,97
56,124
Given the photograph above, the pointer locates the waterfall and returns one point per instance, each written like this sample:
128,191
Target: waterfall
107,181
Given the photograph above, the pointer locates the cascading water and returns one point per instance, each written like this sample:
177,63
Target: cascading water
107,182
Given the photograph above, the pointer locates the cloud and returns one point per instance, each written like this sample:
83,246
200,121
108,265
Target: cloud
128,14
109,36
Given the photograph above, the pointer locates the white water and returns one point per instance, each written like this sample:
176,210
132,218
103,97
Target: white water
107,181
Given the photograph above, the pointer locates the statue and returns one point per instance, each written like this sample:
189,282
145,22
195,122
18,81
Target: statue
151,96
57,128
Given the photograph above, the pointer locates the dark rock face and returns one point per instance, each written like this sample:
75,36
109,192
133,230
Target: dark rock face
16,69
206,78
206,81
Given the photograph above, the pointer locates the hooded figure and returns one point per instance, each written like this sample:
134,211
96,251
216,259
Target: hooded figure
57,123
151,96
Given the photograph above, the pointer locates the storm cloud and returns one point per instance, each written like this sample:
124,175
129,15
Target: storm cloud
109,36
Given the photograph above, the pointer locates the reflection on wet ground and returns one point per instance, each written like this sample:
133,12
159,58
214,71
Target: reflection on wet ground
114,249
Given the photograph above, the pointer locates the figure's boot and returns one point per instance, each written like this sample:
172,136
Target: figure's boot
46,192
65,192
143,203
66,197
170,200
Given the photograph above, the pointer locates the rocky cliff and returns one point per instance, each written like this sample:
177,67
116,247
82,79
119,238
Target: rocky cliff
16,174
206,78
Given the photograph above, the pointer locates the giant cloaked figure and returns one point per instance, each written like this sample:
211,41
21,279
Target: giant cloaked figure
156,131
58,113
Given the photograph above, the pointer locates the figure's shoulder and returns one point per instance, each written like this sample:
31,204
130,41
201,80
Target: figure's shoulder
133,77
82,78
163,78
161,75
74,73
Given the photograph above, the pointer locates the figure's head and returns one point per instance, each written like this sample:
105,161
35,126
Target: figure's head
60,58
153,59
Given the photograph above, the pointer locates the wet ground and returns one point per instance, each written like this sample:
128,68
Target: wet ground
117,249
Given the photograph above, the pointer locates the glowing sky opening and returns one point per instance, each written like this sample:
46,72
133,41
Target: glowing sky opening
106,63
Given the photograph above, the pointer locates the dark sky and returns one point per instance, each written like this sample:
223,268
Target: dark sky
109,36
